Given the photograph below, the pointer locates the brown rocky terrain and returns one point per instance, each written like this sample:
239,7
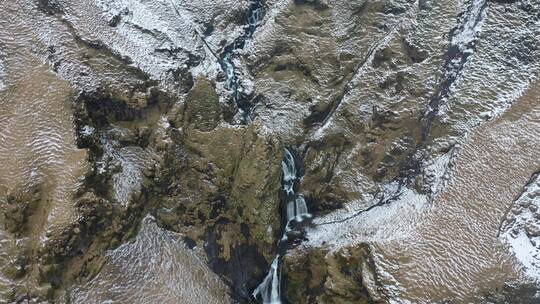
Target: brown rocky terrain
273,151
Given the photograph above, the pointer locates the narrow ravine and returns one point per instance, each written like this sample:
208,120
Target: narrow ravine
269,291
461,46
463,39
296,211
254,18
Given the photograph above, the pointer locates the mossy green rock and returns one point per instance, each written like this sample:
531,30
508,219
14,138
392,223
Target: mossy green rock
316,275
226,197
239,167
202,110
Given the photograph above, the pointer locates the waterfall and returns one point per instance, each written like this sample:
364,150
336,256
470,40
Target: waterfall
297,209
269,291
300,208
289,173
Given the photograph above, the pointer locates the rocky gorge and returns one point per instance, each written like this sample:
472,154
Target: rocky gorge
269,151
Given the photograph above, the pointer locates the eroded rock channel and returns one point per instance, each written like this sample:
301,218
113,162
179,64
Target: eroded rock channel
269,151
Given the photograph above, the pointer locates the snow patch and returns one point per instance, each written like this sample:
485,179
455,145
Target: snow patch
521,229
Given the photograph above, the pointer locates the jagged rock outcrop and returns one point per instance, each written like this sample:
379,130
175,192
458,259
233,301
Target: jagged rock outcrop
225,183
125,122
322,276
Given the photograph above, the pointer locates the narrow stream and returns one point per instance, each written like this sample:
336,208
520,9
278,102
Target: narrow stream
254,19
269,291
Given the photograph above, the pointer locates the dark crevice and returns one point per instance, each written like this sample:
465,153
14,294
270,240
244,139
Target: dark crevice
531,180
385,199
51,7
237,272
294,217
455,59
321,117
252,20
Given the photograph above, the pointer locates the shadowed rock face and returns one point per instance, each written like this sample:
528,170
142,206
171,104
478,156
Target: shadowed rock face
155,267
141,148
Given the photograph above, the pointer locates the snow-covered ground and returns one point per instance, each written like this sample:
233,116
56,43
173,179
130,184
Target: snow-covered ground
521,228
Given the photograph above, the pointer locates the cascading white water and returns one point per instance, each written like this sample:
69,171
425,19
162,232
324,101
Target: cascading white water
269,291
289,173
300,208
297,209
290,210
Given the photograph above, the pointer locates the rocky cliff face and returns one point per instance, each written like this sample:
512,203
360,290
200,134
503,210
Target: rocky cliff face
156,133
